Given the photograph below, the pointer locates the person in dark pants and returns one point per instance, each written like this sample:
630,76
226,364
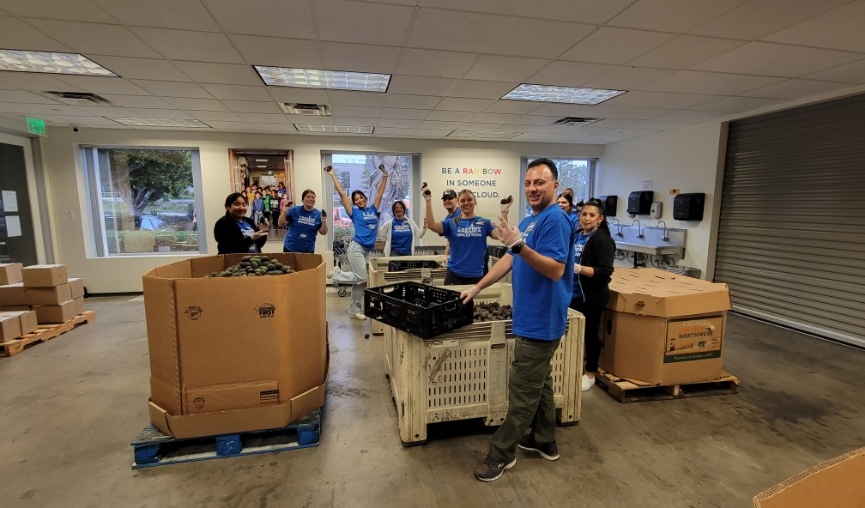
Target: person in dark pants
595,251
541,256
235,233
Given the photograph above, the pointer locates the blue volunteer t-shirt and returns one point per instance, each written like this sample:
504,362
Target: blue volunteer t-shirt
541,304
247,231
468,240
365,225
579,244
401,236
303,225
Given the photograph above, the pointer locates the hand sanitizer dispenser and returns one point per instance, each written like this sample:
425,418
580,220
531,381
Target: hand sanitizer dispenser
655,210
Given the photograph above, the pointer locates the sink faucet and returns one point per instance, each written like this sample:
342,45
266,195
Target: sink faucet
664,237
639,228
619,224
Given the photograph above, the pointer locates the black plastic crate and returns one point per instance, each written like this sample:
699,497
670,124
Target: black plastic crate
409,264
425,311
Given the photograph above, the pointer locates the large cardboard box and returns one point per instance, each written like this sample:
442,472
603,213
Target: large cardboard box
10,273
836,482
215,336
664,328
47,314
43,276
54,295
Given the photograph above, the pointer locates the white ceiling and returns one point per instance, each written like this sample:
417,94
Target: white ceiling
682,61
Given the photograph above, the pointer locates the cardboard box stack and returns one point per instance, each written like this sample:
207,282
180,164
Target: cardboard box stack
664,329
234,354
52,294
16,318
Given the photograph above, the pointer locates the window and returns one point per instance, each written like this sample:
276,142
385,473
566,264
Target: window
576,174
359,171
143,200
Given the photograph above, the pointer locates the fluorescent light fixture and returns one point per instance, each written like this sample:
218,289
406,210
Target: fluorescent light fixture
562,94
336,129
162,122
314,78
484,134
54,63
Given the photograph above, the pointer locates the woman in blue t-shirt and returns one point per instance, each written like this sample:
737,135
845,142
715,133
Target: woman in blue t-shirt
303,222
467,235
401,233
364,217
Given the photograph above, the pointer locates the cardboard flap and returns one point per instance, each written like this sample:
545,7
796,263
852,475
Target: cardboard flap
837,482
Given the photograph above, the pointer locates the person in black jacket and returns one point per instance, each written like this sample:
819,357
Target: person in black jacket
236,233
595,252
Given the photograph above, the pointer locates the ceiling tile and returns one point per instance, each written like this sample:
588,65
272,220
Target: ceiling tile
457,104
278,52
100,85
736,104
535,120
229,74
83,121
37,82
593,12
140,68
407,114
16,35
348,120
238,92
69,10
361,22
847,73
712,83
97,39
270,18
449,116
615,45
759,18
392,132
412,101
137,101
441,64
356,111
312,120
209,116
776,60
398,123
503,68
272,127
112,111
838,29
672,15
690,115
454,31
196,104
252,107
658,125
431,133
660,100
483,126
520,38
40,109
796,88
359,57
627,77
514,107
419,86
227,126
187,45
569,73
501,118
472,89
344,98
488,6
263,118
158,113
183,15
173,89
438,125
25,97
303,95
685,51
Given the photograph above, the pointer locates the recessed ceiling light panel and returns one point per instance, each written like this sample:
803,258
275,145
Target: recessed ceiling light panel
162,122
314,78
54,63
561,94
336,129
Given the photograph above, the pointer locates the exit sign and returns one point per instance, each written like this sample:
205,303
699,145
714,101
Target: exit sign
36,126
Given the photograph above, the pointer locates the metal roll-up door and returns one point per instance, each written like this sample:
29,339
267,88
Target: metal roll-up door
791,238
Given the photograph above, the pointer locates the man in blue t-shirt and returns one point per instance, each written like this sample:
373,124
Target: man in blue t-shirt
541,256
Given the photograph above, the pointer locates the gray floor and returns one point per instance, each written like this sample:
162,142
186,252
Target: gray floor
72,405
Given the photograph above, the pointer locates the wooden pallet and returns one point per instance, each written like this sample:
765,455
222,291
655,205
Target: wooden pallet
43,333
153,448
629,390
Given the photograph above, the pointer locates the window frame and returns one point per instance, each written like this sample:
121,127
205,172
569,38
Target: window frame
524,164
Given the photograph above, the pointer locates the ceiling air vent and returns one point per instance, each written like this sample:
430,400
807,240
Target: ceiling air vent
78,98
575,121
299,108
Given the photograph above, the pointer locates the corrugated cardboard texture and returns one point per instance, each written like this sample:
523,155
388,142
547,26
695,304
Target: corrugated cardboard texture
212,399
49,314
10,273
160,311
835,483
10,326
29,322
653,292
13,294
44,275
76,287
55,295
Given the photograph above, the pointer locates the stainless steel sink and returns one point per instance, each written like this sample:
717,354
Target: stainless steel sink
657,250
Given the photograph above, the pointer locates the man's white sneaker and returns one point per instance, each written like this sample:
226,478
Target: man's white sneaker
587,382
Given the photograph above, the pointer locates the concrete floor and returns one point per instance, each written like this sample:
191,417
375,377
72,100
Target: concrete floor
72,405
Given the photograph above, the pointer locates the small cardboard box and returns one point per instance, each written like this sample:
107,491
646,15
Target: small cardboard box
54,295
201,336
10,273
663,328
47,314
836,482
13,308
211,399
29,321
10,326
76,287
13,294
42,276
79,305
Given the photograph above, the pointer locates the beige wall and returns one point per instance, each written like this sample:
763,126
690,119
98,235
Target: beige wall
65,182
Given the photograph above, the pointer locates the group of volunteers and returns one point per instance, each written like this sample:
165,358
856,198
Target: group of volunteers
560,256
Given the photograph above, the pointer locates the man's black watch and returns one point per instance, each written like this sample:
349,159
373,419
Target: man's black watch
515,249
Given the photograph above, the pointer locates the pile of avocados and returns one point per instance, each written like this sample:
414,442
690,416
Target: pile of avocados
254,266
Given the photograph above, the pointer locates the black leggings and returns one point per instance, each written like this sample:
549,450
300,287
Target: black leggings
593,309
452,279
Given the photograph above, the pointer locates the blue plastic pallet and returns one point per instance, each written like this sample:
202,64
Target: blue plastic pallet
153,448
